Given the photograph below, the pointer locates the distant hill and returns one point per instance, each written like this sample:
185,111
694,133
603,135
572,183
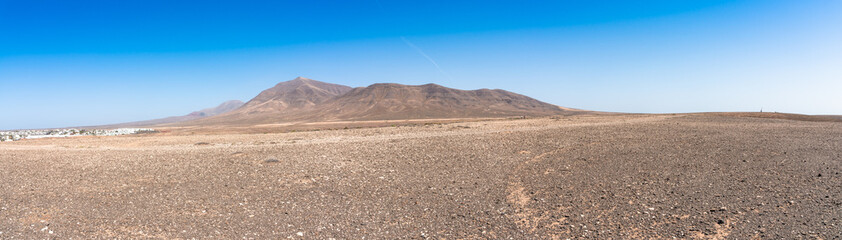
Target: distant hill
207,112
222,108
307,100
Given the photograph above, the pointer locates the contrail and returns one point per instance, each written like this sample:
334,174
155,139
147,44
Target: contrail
408,43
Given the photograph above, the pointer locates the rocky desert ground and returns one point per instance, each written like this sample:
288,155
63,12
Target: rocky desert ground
691,176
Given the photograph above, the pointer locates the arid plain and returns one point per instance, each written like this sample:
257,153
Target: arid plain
709,176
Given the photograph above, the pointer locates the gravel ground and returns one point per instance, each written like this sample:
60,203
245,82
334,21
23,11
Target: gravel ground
608,176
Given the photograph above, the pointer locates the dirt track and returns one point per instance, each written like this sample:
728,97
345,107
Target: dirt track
635,176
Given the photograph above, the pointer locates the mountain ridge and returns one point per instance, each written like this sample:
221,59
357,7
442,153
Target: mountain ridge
306,100
296,94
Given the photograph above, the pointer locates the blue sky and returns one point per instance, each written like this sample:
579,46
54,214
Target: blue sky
71,63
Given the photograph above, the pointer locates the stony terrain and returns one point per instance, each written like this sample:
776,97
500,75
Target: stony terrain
588,176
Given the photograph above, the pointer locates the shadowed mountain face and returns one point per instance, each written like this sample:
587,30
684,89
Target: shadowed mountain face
306,100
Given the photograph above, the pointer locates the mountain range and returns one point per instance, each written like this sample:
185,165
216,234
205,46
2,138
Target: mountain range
305,100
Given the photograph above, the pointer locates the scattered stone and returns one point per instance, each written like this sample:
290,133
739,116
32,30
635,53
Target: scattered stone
202,143
446,184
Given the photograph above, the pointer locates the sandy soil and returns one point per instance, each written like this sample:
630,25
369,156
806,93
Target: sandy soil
606,176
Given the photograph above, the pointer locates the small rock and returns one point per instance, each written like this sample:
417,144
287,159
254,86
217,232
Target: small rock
271,160
300,234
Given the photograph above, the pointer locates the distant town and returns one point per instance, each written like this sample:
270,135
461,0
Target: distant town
68,132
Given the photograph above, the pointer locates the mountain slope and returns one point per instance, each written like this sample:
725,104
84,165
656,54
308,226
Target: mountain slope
207,112
299,93
395,101
278,103
222,108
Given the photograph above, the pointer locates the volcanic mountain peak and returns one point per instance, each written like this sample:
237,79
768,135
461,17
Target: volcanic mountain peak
301,79
302,83
296,94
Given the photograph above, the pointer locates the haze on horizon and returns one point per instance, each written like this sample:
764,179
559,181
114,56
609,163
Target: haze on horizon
101,62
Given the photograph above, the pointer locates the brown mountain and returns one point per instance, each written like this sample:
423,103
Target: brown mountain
389,101
307,100
279,103
299,93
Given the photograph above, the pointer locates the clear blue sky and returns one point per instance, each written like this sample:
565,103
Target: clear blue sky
71,63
